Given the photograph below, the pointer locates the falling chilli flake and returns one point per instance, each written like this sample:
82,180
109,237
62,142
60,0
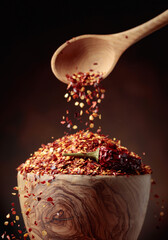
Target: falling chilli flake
86,87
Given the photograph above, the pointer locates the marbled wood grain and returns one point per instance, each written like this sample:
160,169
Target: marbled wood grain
84,207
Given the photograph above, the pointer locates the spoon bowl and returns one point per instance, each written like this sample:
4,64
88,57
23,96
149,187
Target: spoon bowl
99,53
78,55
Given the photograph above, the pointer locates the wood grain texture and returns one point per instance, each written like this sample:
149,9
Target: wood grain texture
84,207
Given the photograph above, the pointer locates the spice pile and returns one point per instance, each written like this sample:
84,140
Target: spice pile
49,158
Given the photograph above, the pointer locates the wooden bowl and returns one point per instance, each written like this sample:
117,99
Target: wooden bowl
71,207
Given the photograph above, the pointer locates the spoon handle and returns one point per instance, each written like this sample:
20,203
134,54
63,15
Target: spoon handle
135,34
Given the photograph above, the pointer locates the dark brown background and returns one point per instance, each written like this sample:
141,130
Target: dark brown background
134,109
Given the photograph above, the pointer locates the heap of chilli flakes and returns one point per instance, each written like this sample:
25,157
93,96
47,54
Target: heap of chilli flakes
49,158
86,92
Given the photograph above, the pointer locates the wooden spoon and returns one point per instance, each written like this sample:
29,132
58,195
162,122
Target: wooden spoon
99,53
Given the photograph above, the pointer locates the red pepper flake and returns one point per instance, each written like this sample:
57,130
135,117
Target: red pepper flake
19,231
27,212
82,89
44,233
25,236
30,229
12,224
88,101
156,196
25,196
75,96
39,198
49,199
13,204
153,182
99,130
91,118
69,99
95,63
92,125
43,182
66,95
162,213
3,235
8,215
102,95
94,103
